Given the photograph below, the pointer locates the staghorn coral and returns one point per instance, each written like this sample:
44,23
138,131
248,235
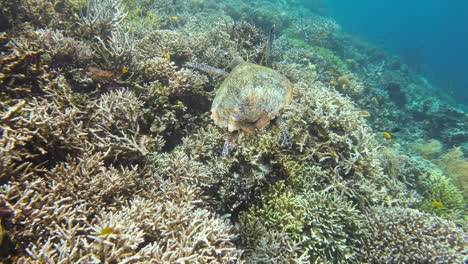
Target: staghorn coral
102,191
218,44
63,51
142,18
406,235
16,15
176,99
117,49
178,233
75,189
87,178
38,132
158,43
266,245
329,227
22,71
333,170
430,183
332,135
282,210
324,59
118,118
60,217
40,212
100,18
104,23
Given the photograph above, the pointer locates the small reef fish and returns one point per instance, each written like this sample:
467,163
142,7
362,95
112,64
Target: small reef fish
387,135
106,231
323,35
124,70
168,56
174,18
437,205
365,113
2,233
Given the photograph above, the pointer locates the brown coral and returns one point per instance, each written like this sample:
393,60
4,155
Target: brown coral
22,71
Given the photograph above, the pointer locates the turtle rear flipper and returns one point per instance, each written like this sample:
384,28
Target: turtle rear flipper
207,69
285,139
229,144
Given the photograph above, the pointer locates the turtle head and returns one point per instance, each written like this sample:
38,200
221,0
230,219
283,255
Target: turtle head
234,62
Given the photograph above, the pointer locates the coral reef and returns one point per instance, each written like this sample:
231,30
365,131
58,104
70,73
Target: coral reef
81,198
435,191
455,165
312,193
394,232
430,149
108,155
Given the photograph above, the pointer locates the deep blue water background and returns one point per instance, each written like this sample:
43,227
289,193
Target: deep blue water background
431,36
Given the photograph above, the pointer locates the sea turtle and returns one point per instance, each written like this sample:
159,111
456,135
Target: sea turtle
250,97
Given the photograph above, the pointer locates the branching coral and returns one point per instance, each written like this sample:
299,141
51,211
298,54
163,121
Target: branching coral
333,171
101,17
159,43
217,45
266,245
434,191
95,168
328,227
63,50
117,49
179,232
19,15
399,235
119,116
79,203
333,136
38,132
22,71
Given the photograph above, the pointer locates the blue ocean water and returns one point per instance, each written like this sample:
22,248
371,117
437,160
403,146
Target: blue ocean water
430,36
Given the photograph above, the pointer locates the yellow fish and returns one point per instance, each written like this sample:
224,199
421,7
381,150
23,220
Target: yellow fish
124,70
365,113
437,205
106,231
387,135
2,233
168,56
174,18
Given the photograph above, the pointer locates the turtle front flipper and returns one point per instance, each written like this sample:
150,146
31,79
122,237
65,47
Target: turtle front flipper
229,144
285,139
